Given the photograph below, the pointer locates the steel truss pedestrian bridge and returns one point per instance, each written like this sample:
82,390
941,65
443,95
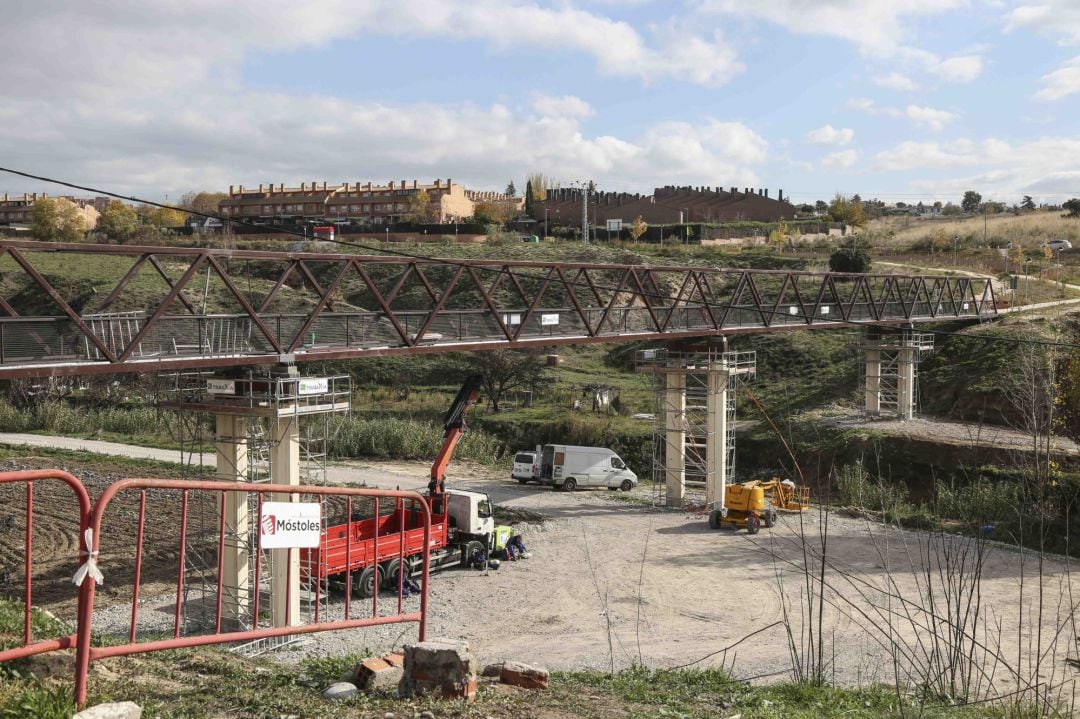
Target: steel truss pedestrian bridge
82,309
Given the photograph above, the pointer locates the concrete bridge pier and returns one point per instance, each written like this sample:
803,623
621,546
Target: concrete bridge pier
890,360
675,437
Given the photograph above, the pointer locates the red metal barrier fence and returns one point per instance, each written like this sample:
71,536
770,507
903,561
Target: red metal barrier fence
410,514
30,646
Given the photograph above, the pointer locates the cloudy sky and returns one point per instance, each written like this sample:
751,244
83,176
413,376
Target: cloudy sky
910,100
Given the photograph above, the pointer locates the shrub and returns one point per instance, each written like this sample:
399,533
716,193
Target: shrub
848,260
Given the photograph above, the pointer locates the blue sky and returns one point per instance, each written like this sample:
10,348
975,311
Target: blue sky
904,101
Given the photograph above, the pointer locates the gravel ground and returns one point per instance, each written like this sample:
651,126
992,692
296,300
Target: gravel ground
612,582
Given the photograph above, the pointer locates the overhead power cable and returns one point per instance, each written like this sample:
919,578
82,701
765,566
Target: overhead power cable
452,262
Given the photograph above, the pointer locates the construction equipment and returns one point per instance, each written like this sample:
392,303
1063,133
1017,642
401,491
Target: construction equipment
755,503
370,549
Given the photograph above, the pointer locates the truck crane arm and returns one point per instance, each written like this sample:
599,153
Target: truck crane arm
455,428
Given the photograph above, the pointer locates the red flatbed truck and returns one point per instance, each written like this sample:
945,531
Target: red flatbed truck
461,523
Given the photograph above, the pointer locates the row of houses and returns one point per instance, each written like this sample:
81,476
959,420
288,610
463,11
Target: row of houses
19,209
355,202
667,205
443,201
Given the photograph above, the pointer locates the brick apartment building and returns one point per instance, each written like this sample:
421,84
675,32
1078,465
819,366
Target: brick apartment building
19,209
360,203
668,205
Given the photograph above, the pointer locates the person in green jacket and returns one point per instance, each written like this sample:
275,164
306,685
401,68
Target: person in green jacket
509,544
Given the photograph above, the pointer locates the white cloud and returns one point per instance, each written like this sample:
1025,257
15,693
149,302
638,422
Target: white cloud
1052,17
865,104
199,37
841,160
929,117
896,81
1045,167
151,99
878,27
911,155
829,135
958,69
565,106
1061,82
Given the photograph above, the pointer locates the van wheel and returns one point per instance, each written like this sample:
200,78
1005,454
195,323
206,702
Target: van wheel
626,485
570,484
367,582
524,481
471,548
714,519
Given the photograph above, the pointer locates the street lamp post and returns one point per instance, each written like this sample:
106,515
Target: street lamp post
545,221
955,249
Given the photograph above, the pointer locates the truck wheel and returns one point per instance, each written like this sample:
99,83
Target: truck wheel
770,518
714,519
471,548
365,585
753,524
391,580
569,485
524,481
626,485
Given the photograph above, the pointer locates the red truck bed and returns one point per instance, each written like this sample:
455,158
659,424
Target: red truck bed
335,554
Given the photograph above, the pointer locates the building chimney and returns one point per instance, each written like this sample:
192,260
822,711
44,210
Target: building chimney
231,189
415,185
260,187
780,195
303,186
391,184
324,185
766,192
438,182
281,187
449,183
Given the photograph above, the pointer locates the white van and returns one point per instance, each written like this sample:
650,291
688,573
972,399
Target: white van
570,467
526,467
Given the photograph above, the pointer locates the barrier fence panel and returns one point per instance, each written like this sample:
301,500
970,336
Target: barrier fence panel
31,645
359,541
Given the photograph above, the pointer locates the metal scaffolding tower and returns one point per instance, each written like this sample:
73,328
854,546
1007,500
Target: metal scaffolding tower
266,427
889,371
693,456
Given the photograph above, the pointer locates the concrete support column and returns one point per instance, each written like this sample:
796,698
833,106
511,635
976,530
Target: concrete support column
905,383
675,435
231,447
716,446
872,403
285,469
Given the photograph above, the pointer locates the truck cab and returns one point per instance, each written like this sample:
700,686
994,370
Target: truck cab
470,513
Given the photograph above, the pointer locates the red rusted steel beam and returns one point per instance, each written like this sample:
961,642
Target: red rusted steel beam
28,477
94,520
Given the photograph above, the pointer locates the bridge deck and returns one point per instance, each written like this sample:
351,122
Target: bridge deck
151,308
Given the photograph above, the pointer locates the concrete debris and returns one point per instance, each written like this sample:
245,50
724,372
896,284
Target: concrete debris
112,710
340,690
492,670
377,674
440,668
523,675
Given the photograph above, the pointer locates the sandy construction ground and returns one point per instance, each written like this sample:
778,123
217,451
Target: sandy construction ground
613,582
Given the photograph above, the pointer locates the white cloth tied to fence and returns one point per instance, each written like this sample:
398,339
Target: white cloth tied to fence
89,567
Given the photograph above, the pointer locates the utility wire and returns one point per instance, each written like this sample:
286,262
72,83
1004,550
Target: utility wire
461,263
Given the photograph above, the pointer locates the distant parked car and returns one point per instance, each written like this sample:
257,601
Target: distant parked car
1059,245
526,467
